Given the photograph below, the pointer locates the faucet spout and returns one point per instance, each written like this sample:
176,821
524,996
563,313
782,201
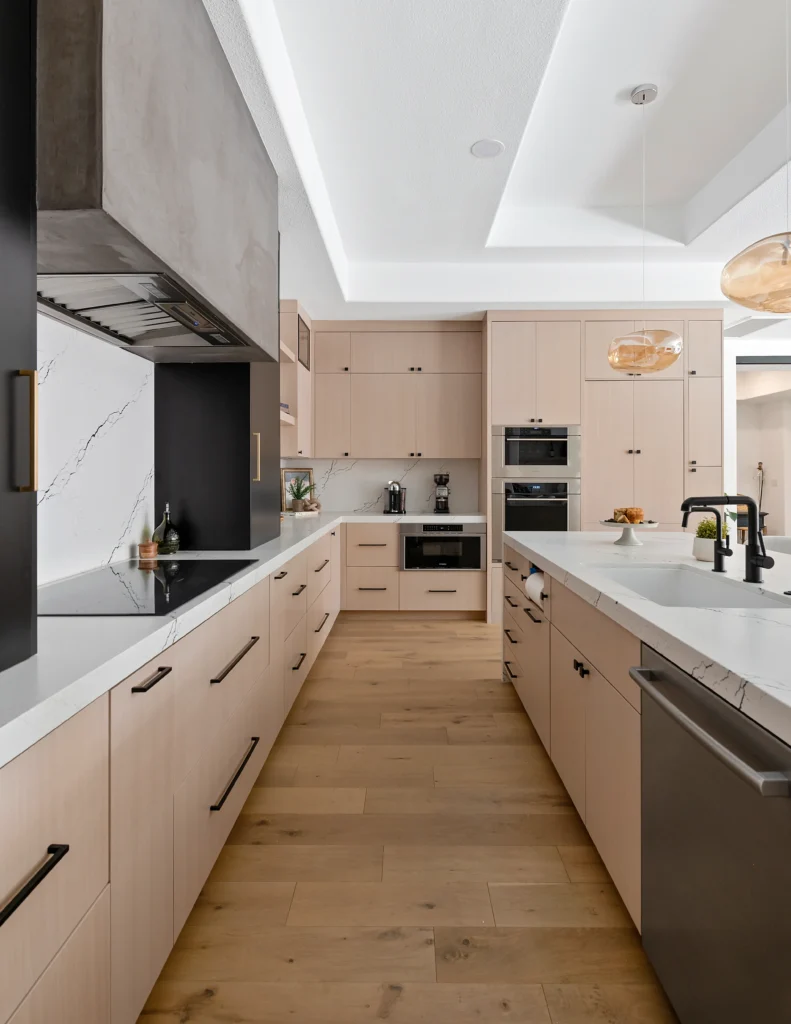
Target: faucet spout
755,556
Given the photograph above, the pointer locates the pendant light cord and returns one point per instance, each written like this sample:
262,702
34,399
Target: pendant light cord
642,129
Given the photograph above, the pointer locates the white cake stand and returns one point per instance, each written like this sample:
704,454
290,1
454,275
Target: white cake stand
629,538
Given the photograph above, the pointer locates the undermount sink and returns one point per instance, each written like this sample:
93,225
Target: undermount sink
680,586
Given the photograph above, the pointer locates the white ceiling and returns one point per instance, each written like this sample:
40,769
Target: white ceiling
368,109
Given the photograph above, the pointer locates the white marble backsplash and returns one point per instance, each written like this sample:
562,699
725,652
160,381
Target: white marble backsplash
96,451
357,485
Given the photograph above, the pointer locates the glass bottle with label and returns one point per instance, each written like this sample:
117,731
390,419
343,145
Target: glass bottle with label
166,535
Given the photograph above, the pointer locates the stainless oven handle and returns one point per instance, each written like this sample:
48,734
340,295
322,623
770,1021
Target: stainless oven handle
543,440
766,783
560,501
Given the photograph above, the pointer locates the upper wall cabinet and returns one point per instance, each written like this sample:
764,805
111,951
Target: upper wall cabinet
296,380
599,334
332,351
704,348
383,416
449,415
332,410
416,352
536,373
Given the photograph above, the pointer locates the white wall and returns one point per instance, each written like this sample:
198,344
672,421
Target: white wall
96,444
764,435
357,485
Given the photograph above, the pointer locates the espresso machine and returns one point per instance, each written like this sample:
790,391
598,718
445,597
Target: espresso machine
395,499
441,493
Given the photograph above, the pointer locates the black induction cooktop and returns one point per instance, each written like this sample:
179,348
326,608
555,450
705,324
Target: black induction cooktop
124,589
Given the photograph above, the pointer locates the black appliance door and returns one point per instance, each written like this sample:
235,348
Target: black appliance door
534,451
421,552
716,871
536,514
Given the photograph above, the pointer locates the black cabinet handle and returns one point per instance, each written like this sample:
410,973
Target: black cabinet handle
693,462
411,369
281,575
420,454
412,455
299,452
509,602
372,588
630,451
235,660
442,591
321,626
693,373
346,369
532,617
539,420
638,451
523,577
298,666
300,588
372,545
544,596
152,682
325,562
579,666
55,853
345,453
508,669
532,419
511,567
227,791
510,638
332,534
420,369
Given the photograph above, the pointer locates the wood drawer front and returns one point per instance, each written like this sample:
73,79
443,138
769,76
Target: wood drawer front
372,544
55,793
75,988
200,832
215,666
142,743
289,598
611,648
567,716
441,590
514,566
296,664
532,652
372,589
514,599
319,622
319,567
514,638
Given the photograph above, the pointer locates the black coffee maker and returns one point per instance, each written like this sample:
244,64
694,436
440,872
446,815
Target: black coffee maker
441,493
395,499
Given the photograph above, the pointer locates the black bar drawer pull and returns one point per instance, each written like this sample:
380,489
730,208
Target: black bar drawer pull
281,575
372,545
227,791
443,591
298,666
298,591
322,623
513,568
510,603
508,670
372,588
235,661
152,682
55,853
326,562
510,638
532,617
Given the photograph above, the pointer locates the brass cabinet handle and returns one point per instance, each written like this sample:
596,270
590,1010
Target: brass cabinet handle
257,477
32,484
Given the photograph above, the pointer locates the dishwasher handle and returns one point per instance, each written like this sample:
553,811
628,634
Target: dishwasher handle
766,783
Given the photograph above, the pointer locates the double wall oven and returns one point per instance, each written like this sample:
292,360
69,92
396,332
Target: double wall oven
536,481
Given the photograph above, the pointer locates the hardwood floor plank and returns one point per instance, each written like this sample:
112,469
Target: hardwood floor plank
534,769
473,863
461,757
305,800
283,755
608,1004
395,774
583,956
390,903
573,905
583,863
276,775
175,1002
348,735
469,800
268,904
241,869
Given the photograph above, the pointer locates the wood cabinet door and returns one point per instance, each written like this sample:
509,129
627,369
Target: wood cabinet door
142,739
612,786
447,352
598,335
568,695
659,449
558,373
333,393
607,436
449,424
332,351
513,376
704,419
304,412
704,348
674,372
384,352
383,409
701,481
534,658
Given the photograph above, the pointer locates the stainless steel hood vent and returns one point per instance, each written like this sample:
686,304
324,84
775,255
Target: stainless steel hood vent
136,311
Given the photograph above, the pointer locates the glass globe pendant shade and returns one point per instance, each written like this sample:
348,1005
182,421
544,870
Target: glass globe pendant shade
759,277
646,351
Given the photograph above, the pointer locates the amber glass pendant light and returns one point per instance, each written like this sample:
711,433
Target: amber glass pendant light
647,350
759,277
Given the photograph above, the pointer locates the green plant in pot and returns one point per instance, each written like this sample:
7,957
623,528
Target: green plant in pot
299,490
705,535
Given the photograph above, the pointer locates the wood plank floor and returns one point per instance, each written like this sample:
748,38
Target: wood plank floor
408,854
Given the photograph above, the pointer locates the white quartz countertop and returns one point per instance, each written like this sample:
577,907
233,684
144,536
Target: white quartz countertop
741,654
80,658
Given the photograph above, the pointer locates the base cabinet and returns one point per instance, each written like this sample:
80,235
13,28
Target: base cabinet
534,658
567,715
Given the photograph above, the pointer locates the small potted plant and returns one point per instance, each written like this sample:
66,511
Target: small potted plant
300,489
705,535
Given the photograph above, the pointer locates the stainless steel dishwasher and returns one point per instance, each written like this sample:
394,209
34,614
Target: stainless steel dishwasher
716,840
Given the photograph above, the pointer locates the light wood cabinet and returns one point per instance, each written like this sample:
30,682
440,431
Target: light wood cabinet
372,544
558,372
333,416
704,348
288,598
383,410
450,590
607,464
75,988
372,588
295,663
536,373
304,412
332,351
513,373
318,559
600,333
53,810
448,410
533,654
449,351
612,786
567,715
704,421
142,734
416,352
659,449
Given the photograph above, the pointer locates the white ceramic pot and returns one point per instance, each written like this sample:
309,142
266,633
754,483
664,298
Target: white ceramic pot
703,549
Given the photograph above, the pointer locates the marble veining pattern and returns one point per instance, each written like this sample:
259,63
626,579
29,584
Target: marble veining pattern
96,462
358,484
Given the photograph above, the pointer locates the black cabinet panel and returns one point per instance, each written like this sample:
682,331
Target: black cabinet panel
18,344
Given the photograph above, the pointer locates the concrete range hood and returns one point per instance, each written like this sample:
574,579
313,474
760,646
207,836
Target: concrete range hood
157,201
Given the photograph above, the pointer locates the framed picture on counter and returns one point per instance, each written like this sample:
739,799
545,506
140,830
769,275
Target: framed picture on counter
289,476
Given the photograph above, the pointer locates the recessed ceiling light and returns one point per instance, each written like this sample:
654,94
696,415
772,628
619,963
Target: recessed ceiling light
487,148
